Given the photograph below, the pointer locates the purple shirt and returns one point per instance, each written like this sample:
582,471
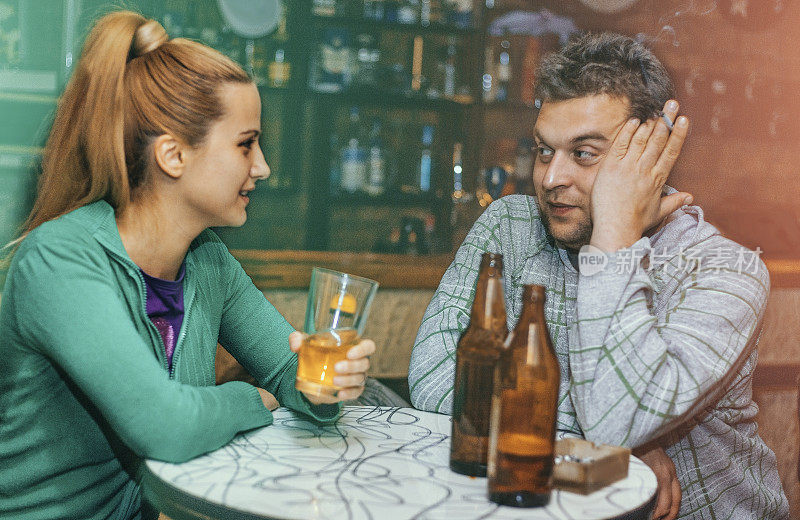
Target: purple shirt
164,306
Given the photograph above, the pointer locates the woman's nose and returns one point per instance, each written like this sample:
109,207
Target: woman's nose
260,168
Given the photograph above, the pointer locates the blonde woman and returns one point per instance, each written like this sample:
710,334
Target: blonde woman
117,293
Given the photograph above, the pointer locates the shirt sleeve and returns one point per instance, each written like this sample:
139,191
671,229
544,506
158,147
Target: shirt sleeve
637,376
69,309
432,368
257,335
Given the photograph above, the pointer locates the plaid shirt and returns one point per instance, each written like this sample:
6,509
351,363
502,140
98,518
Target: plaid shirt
657,346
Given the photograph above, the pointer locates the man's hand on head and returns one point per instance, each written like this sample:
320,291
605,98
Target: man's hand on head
627,197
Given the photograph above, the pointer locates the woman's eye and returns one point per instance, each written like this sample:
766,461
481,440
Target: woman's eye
248,144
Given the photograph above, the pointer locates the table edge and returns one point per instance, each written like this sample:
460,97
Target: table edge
177,510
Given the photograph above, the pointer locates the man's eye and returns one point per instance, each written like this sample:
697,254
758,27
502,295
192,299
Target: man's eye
584,155
544,154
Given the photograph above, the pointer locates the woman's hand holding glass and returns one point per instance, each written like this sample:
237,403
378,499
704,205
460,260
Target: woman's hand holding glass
351,374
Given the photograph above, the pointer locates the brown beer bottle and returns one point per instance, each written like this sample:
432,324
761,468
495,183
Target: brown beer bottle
524,405
476,355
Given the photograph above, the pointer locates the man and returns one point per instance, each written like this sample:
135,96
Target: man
655,323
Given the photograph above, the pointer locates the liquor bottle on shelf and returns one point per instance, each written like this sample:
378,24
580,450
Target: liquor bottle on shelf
281,34
523,166
443,81
374,10
280,70
391,10
425,164
331,68
408,11
488,81
503,70
476,355
376,178
335,164
324,7
523,411
459,13
458,174
527,79
450,68
354,156
430,12
368,56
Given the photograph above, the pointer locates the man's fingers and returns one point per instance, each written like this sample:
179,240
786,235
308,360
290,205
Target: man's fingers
664,500
673,202
676,500
672,150
640,139
623,140
661,132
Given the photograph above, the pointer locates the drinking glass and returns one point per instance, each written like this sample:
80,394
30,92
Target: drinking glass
336,313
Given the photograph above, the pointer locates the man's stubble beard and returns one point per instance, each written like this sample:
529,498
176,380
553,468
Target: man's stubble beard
578,236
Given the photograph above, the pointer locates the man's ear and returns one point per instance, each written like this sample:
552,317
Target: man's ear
170,154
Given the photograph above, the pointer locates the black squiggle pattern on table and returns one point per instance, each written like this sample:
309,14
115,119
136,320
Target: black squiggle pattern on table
375,463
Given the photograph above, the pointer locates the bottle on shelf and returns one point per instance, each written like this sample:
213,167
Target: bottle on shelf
459,13
408,11
391,10
476,355
523,410
353,156
488,81
368,56
430,12
459,195
280,70
450,68
523,166
443,81
331,69
425,164
335,164
503,70
324,7
376,176
374,10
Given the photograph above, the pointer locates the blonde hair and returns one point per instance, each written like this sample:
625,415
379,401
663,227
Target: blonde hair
131,85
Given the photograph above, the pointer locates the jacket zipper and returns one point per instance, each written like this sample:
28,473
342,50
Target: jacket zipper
154,334
178,344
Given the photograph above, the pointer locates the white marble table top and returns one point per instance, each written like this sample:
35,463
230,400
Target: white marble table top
374,463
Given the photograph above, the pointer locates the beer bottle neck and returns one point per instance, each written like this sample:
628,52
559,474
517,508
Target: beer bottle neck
488,307
530,332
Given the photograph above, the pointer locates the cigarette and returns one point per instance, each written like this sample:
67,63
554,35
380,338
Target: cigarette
667,121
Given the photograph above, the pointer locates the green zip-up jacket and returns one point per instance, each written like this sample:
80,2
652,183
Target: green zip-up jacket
85,393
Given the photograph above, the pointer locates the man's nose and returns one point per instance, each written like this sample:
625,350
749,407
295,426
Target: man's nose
558,173
260,168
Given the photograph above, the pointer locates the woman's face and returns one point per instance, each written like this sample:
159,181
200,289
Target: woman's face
222,170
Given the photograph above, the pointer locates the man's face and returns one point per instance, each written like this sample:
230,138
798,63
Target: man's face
571,139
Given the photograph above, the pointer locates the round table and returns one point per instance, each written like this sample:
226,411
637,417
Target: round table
374,463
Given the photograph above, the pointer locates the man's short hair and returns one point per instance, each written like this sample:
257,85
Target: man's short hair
606,63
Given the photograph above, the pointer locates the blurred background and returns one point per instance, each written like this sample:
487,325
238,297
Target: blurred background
390,124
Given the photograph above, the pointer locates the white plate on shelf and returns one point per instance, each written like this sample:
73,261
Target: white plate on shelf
251,18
